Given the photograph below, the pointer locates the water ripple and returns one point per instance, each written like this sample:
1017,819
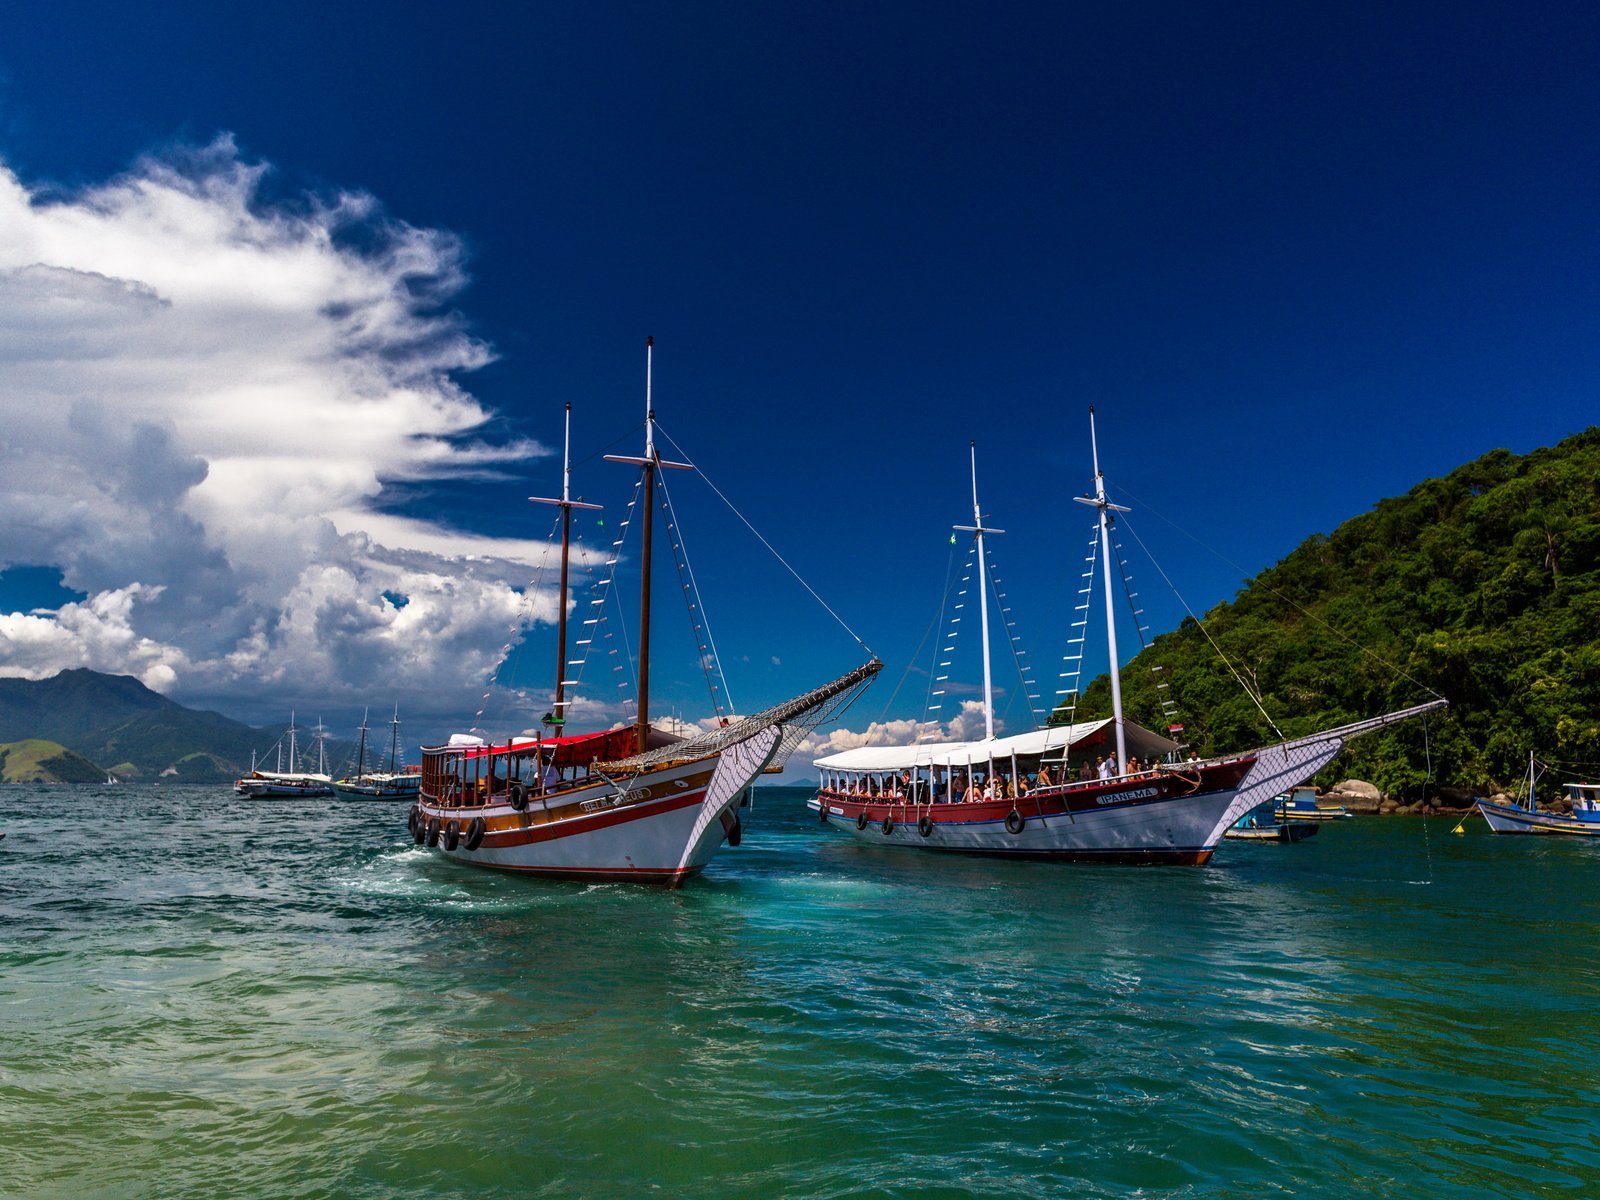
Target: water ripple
229,998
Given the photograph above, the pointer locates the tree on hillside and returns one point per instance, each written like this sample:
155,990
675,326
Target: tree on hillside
1483,586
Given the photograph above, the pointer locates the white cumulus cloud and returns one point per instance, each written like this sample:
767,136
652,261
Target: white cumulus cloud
204,392
966,726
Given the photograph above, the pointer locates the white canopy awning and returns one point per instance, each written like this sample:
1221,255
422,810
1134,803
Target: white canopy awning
1047,743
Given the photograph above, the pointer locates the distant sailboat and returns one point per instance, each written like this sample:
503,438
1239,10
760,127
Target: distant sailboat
291,784
379,785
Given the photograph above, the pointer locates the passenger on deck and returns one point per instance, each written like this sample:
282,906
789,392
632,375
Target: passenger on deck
1087,771
1102,768
1042,779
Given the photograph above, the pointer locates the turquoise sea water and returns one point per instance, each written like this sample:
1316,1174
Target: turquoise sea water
202,996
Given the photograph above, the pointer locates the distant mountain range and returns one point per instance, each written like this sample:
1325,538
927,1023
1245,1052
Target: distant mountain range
120,726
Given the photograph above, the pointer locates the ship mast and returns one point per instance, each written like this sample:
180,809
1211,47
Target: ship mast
361,747
648,464
1099,501
558,711
977,527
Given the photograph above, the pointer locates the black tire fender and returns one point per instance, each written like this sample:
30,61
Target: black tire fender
887,825
925,825
862,819
475,832
431,834
452,835
519,796
736,834
1014,822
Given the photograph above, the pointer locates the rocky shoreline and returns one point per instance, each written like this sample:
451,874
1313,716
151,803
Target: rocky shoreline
1365,799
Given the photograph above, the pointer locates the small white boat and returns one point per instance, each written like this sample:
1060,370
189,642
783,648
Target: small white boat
1523,815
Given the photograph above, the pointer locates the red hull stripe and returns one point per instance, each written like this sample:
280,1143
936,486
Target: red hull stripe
497,838
1132,858
985,814
656,875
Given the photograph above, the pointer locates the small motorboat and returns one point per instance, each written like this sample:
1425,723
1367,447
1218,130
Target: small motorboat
1300,804
1523,815
1247,828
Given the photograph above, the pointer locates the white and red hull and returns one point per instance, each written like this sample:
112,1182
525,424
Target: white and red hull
1176,815
661,826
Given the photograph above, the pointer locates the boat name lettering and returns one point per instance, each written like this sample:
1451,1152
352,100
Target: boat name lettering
1144,793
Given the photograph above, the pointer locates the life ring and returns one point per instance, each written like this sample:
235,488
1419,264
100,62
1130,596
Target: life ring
736,834
862,819
433,831
452,835
887,827
519,796
925,825
475,831
1014,822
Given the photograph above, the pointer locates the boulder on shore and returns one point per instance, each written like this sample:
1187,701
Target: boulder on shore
1358,788
1357,796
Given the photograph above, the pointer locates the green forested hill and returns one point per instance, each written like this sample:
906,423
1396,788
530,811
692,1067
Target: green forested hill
36,761
1483,585
116,721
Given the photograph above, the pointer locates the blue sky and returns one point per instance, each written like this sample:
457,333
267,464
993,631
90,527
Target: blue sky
1298,259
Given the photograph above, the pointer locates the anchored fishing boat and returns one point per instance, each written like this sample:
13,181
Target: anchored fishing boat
1037,794
1299,805
632,803
379,785
1258,827
1523,815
